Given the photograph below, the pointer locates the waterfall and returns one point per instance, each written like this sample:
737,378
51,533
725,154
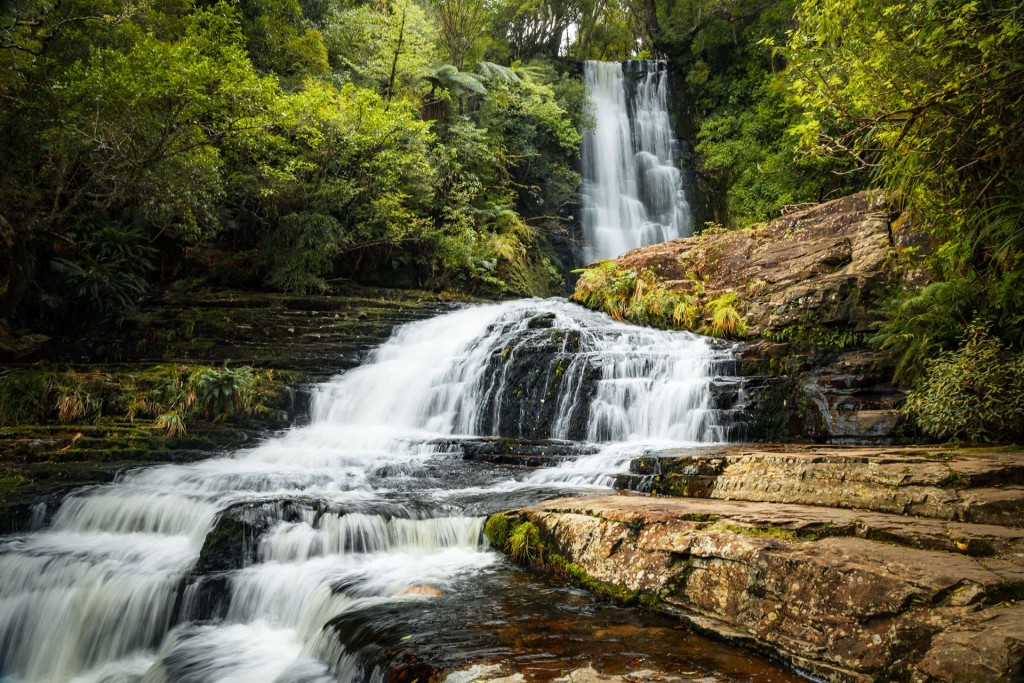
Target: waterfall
632,191
229,569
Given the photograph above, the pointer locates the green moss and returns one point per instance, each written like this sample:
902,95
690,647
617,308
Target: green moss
677,584
9,482
498,529
525,545
957,480
700,517
612,592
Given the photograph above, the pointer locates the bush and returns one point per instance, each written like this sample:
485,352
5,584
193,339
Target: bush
301,251
975,393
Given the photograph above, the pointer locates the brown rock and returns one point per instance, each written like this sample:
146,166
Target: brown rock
845,595
981,485
818,266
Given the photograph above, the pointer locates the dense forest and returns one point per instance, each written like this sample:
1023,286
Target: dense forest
288,144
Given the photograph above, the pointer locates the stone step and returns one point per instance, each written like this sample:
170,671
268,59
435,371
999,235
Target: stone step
983,485
845,595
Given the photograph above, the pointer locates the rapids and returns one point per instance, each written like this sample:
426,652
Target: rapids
282,562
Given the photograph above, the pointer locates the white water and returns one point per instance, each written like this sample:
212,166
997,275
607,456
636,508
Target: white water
632,190
354,514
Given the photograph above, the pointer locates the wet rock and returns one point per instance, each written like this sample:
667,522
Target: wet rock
981,485
539,378
849,596
233,542
207,598
495,673
22,349
808,285
519,452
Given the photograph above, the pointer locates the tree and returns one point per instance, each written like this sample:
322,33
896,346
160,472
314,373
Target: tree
928,99
460,26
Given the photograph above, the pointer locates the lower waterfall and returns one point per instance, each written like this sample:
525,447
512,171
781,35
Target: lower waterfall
255,566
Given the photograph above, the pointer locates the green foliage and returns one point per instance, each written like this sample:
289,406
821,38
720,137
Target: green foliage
171,395
287,141
725,320
928,99
810,334
382,46
524,544
921,323
739,107
301,250
975,393
642,298
107,275
220,392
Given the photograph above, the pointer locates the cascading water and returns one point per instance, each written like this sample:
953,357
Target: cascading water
632,192
246,568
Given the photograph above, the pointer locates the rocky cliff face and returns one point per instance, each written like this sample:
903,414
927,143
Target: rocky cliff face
816,271
808,286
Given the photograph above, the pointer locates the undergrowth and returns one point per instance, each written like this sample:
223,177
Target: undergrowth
975,393
640,298
172,396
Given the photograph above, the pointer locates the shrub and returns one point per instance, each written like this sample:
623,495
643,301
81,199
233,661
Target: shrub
223,391
106,275
975,393
606,288
725,320
301,251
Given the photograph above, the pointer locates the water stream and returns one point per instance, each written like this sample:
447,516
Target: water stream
632,192
351,545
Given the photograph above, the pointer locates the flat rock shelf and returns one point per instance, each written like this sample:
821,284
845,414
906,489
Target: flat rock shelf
852,564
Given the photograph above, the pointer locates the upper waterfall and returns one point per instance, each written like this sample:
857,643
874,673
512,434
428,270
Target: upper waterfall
632,191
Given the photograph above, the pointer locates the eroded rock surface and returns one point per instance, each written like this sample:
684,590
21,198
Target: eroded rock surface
982,485
808,286
820,267
847,595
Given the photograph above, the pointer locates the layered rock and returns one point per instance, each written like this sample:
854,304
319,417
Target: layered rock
304,339
820,268
804,583
807,286
981,485
852,564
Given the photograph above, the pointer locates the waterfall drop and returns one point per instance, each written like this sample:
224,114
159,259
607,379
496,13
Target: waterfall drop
248,567
632,191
